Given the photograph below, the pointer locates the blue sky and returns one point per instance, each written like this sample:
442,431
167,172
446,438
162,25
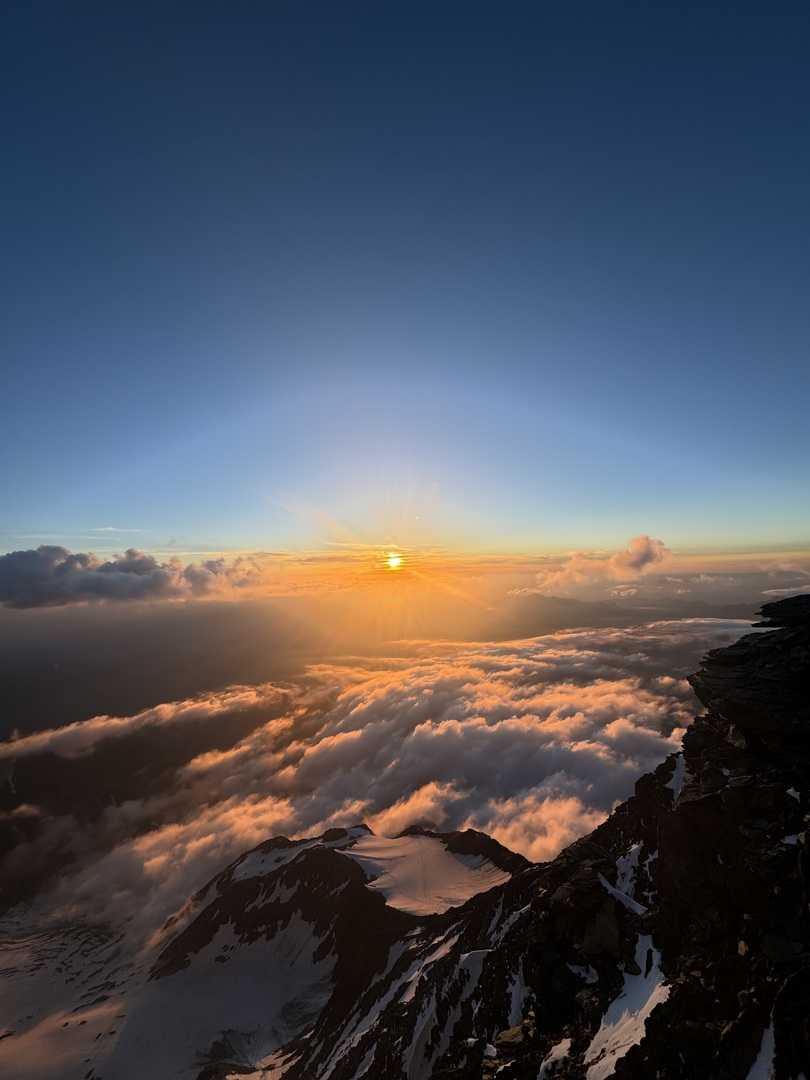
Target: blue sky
275,275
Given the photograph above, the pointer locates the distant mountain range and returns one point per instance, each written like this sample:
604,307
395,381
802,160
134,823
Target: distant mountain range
672,942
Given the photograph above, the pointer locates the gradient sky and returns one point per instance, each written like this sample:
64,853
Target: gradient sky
486,276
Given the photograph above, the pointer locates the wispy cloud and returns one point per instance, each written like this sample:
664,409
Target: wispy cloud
113,529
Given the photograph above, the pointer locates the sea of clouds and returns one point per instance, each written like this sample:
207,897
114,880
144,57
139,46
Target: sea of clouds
531,741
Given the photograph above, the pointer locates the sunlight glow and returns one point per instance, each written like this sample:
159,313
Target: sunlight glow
394,560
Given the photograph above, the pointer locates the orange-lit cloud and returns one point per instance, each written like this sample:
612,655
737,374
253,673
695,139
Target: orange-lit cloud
585,572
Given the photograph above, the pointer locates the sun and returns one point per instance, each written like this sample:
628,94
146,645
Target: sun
393,560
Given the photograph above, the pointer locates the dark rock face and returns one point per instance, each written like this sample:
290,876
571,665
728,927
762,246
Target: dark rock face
762,683
673,942
728,888
793,611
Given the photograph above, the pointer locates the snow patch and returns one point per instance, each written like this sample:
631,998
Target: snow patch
258,863
676,781
508,923
762,1069
627,868
624,1022
553,1058
622,897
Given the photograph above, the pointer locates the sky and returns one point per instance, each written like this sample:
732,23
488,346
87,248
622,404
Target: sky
281,276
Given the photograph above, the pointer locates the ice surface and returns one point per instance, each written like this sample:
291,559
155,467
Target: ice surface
419,875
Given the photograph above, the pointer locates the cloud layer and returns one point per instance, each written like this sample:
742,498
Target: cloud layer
532,741
458,595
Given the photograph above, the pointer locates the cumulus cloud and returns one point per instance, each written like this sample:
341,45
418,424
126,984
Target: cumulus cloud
585,573
641,552
532,741
51,576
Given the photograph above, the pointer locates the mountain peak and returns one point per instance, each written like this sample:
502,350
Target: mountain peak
340,833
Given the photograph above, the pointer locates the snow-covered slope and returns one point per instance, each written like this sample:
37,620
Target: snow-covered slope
290,936
236,1000
63,993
